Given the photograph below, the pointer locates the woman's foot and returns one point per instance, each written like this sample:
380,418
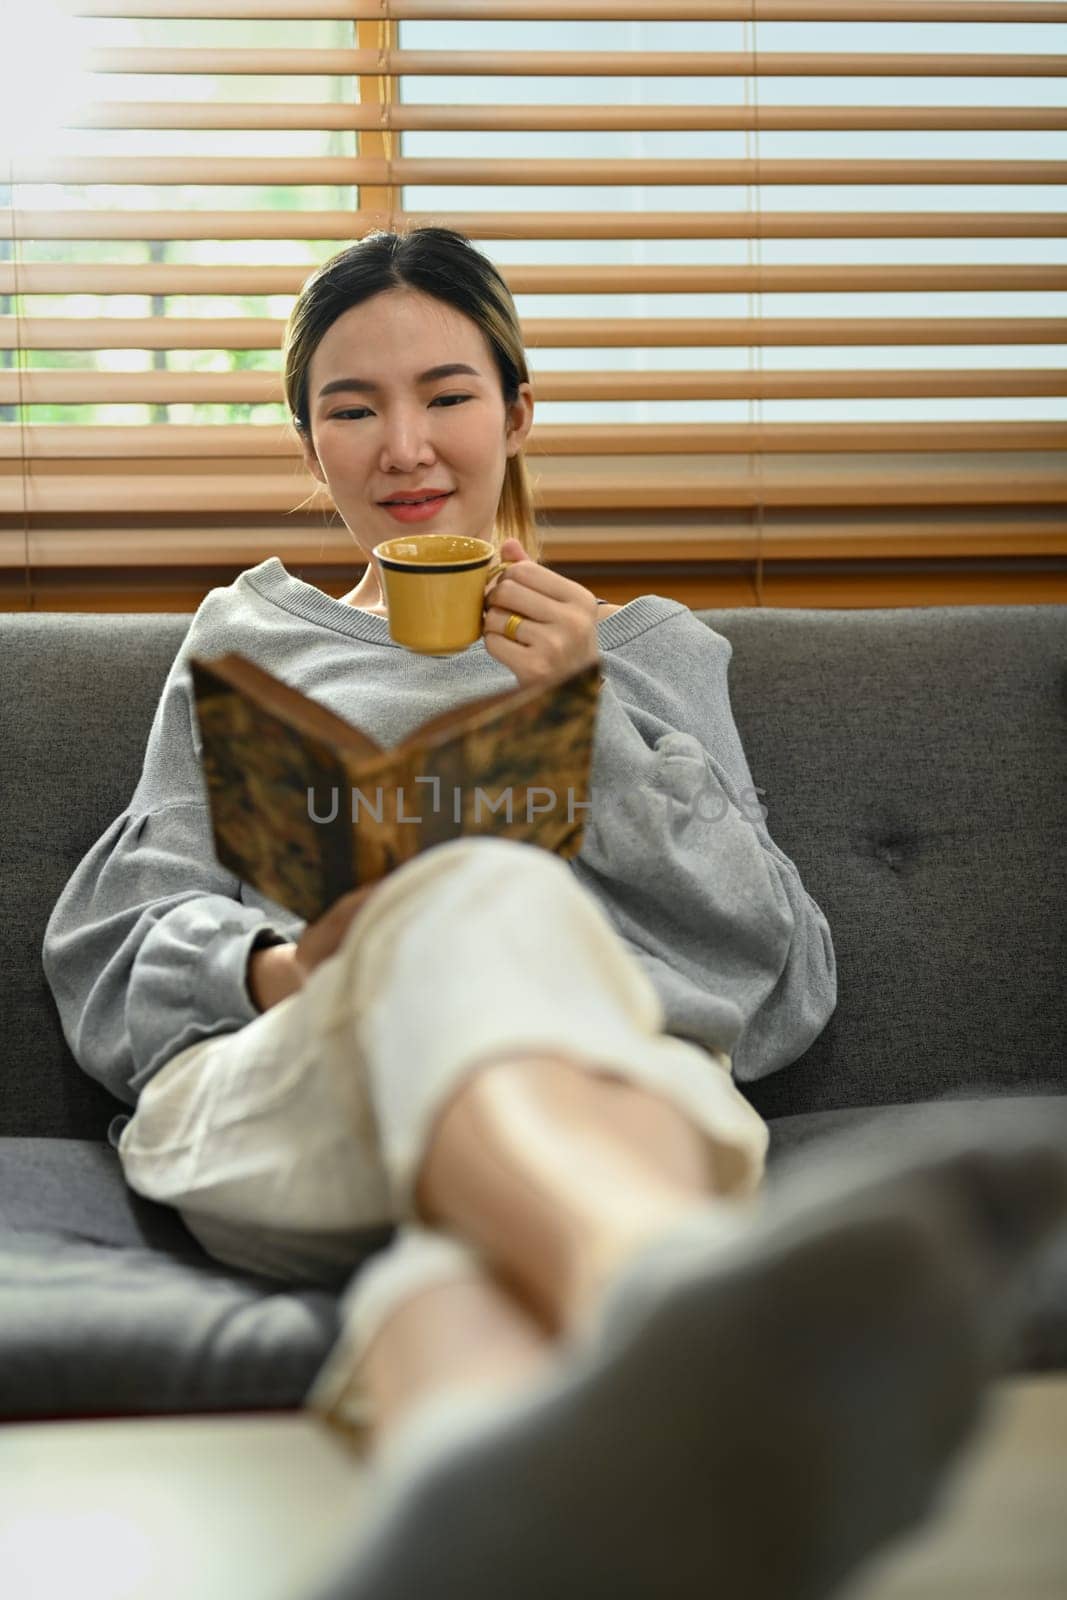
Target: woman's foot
752,1417
422,1318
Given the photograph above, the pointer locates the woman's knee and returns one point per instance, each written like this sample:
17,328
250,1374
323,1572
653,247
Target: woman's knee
487,856
467,880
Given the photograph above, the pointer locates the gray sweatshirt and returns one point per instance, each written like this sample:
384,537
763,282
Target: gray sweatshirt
146,949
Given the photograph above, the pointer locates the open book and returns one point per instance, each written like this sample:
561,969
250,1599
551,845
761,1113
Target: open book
305,806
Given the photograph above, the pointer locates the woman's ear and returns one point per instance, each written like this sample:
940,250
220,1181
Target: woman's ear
311,460
520,418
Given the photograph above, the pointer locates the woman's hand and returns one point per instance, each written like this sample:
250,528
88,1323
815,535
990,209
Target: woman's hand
279,970
558,632
321,939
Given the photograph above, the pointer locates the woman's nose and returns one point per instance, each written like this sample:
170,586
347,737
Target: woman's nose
406,443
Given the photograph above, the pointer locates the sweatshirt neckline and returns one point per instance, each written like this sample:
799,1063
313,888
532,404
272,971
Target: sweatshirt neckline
274,582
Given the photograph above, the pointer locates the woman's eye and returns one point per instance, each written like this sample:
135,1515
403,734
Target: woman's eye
363,411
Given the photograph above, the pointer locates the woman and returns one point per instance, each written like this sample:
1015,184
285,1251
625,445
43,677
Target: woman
523,1065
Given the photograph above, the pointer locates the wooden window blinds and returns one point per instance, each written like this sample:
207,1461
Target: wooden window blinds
791,276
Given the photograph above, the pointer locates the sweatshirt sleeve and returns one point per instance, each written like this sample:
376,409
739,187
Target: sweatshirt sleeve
677,850
146,948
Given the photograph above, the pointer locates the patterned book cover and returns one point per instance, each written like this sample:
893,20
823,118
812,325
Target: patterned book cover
305,806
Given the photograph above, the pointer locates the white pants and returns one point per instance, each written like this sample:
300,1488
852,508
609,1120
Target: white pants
289,1145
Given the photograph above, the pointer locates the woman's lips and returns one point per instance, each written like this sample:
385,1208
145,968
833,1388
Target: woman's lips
417,513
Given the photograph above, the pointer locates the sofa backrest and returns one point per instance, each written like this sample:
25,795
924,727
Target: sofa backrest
913,764
77,697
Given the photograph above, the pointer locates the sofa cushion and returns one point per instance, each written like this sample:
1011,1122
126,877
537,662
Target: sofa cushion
111,1307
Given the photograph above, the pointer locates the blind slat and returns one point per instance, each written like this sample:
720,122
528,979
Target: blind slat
567,64
165,278
72,387
344,170
582,10
859,531
219,117
524,224
581,484
56,442
657,333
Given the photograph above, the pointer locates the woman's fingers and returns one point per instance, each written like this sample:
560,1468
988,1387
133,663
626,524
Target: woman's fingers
511,597
537,580
542,596
556,633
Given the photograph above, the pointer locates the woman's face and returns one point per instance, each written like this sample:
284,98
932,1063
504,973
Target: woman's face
403,432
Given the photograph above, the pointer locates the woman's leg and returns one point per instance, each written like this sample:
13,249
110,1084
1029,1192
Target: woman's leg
290,1145
483,953
556,1174
468,1332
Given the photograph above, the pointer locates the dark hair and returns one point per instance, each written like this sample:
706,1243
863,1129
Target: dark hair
441,263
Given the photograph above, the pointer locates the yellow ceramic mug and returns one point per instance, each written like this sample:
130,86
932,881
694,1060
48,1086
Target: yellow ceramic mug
434,587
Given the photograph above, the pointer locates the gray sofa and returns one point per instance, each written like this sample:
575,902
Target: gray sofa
914,766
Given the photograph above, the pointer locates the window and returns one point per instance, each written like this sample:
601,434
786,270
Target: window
792,277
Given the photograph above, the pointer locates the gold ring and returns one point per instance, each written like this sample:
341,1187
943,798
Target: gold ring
512,625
